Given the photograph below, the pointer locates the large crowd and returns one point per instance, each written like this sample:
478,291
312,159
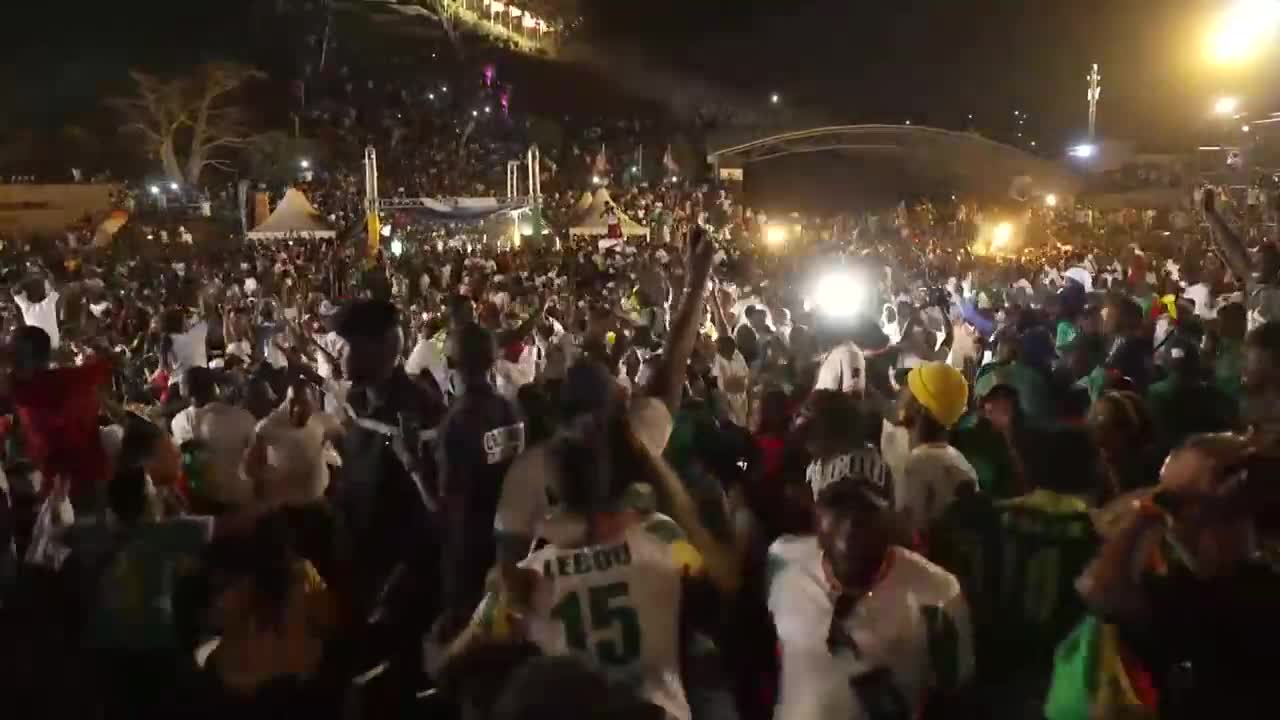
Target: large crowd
865,466
873,476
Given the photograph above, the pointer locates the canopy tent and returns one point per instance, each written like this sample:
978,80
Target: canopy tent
591,220
583,203
294,217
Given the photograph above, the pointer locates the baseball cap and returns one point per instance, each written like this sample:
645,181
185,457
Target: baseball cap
855,489
861,470
941,389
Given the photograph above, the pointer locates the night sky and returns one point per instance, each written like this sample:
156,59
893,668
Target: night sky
936,61
931,61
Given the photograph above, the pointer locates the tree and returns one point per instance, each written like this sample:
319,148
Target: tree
193,115
274,155
452,18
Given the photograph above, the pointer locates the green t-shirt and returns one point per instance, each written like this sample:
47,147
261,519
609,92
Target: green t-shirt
1034,396
1228,367
1095,382
1067,333
133,610
988,452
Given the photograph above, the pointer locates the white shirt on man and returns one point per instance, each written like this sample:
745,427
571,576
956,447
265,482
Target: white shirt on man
227,431
908,636
43,314
733,369
188,350
844,369
931,477
296,456
335,347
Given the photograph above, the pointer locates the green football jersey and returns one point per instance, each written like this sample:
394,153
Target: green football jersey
1046,540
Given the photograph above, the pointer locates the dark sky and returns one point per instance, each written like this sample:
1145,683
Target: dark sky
933,61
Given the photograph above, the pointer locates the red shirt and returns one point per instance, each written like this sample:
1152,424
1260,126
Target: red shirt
58,409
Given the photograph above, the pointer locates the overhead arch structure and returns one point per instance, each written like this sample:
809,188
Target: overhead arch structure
961,160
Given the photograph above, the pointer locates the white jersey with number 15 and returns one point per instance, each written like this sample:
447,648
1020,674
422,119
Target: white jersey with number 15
618,604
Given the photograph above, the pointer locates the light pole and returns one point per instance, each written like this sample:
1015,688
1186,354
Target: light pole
1095,91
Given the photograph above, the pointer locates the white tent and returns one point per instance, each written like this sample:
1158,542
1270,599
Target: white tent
294,217
591,220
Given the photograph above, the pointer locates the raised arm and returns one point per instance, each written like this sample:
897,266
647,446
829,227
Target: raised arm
669,379
1228,243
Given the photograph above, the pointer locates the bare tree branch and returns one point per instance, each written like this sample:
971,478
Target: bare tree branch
196,113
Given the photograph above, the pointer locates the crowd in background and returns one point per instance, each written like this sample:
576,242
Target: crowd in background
870,466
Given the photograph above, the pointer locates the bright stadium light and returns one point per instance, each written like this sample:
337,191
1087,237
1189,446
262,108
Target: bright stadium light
1244,128
397,247
1226,106
304,163
1083,151
173,186
839,294
1001,235
155,189
1051,200
775,98
1243,32
775,235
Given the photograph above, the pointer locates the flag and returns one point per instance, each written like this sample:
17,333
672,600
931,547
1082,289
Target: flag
1093,676
669,162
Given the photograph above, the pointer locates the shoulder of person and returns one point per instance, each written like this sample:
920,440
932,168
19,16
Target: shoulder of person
790,550
663,529
931,583
651,421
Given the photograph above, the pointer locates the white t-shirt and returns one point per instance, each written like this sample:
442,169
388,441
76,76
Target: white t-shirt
510,377
895,448
911,635
616,604
296,456
43,314
735,369
843,369
227,431
188,351
333,344
931,477
426,355
533,479
1202,296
